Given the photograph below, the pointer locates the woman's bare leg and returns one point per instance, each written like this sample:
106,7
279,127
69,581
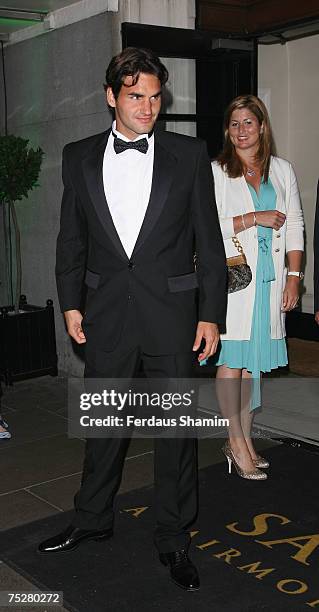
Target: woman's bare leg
228,390
246,414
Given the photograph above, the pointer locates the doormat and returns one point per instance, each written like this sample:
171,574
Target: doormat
256,545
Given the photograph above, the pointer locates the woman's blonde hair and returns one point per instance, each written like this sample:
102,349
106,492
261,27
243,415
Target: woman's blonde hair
228,157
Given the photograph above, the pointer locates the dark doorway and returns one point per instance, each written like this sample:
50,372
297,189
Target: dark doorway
225,67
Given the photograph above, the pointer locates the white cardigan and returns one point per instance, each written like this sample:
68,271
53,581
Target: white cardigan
233,198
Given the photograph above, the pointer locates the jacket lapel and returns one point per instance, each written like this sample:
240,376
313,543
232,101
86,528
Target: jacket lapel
163,172
247,197
93,173
278,181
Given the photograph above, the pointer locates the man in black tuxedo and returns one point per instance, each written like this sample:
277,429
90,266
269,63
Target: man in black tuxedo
316,260
135,206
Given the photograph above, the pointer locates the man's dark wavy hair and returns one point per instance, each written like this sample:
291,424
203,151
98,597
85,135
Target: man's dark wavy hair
131,62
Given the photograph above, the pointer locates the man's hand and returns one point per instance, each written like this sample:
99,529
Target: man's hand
290,295
73,319
210,333
317,317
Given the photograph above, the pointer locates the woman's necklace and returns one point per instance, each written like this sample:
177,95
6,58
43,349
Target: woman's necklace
250,172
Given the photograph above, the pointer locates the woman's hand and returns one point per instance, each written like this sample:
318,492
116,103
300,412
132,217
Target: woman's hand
270,218
290,296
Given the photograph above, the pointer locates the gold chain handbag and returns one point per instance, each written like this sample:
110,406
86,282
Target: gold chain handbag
239,272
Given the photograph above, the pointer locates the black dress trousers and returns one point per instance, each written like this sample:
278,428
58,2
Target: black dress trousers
175,460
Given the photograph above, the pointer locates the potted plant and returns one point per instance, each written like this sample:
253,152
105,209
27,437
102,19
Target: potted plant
19,172
27,332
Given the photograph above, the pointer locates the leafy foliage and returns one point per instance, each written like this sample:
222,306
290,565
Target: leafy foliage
19,168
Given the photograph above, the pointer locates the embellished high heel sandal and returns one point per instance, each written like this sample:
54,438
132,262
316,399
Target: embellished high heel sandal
261,462
252,475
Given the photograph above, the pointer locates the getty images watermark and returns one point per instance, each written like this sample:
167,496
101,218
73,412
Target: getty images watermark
101,408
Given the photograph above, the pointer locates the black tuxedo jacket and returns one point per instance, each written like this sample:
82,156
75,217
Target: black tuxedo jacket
316,255
160,277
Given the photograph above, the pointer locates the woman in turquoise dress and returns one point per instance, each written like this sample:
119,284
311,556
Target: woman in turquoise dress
258,202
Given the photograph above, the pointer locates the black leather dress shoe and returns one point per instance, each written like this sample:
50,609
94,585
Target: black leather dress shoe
71,538
183,571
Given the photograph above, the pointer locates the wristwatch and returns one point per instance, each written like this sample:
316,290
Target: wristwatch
299,274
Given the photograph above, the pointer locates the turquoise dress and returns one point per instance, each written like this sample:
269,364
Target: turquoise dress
261,353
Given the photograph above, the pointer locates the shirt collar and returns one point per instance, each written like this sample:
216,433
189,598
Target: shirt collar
119,135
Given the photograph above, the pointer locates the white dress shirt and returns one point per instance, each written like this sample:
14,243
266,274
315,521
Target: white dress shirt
127,179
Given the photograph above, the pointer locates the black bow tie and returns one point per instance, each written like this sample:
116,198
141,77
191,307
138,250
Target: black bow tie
139,145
